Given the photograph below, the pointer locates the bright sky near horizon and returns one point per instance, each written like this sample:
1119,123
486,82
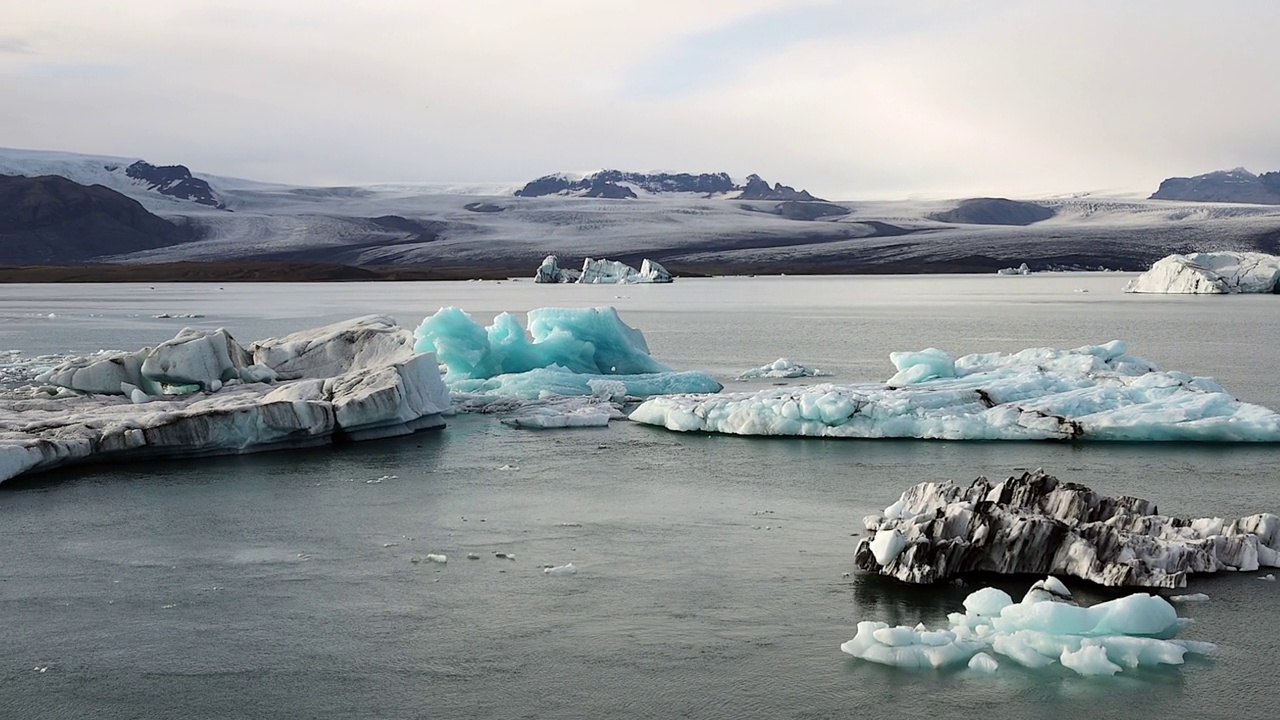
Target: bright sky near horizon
848,98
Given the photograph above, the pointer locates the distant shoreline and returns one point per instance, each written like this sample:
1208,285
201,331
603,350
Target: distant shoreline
324,272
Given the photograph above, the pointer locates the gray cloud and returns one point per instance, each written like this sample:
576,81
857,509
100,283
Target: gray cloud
849,99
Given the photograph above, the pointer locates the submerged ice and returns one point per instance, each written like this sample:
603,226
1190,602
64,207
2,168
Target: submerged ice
1045,628
1095,392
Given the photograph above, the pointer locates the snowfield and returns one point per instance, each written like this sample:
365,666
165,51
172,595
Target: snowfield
482,225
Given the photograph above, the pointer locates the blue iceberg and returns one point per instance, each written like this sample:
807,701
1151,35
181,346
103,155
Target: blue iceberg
567,351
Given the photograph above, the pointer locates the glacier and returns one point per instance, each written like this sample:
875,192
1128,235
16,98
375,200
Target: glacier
1047,626
1035,524
201,393
1210,273
1093,393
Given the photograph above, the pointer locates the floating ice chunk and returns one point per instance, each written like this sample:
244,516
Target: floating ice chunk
1100,640
781,368
566,569
1095,392
567,413
1212,273
1268,577
1191,598
1033,523
1022,269
437,558
983,662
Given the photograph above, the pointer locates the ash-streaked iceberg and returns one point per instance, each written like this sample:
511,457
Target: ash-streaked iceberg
567,351
601,272
1210,273
1045,628
201,393
1095,392
1035,524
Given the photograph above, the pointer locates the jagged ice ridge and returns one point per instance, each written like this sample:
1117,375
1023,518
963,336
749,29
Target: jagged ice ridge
1035,524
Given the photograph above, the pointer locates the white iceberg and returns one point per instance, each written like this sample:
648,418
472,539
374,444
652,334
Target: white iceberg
1020,270
203,394
601,272
1210,273
1095,392
1035,524
781,368
1110,637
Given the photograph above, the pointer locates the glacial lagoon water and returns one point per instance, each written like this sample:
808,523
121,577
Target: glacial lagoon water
712,570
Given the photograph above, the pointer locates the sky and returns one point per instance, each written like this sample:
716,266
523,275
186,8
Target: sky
850,99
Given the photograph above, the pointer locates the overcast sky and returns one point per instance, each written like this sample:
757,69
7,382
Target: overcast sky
849,99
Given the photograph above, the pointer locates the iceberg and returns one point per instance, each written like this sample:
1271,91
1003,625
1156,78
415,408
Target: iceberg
567,351
781,368
1047,626
1020,270
1035,524
201,393
1210,273
1095,392
601,272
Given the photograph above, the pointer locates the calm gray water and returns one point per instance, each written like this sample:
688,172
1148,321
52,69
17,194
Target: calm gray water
712,569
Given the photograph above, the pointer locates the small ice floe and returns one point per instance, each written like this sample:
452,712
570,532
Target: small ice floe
781,368
41,668
436,558
304,557
983,662
177,315
390,544
1191,598
509,466
1269,577
473,556
1046,627
566,569
504,556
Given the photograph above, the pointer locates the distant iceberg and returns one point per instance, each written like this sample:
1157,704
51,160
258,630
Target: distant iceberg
1020,270
1095,392
781,368
201,393
1210,273
567,351
601,272
1035,524
1045,628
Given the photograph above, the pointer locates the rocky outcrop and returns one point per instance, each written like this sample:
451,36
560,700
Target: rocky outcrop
994,211
174,181
201,393
50,219
617,184
1212,273
1233,186
1035,524
757,188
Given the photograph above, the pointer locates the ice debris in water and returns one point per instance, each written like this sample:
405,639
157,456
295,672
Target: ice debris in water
1044,628
435,558
1095,392
564,351
1191,598
566,569
781,368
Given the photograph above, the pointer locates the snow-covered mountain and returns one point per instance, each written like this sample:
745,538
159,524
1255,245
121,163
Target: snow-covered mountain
494,230
1236,186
